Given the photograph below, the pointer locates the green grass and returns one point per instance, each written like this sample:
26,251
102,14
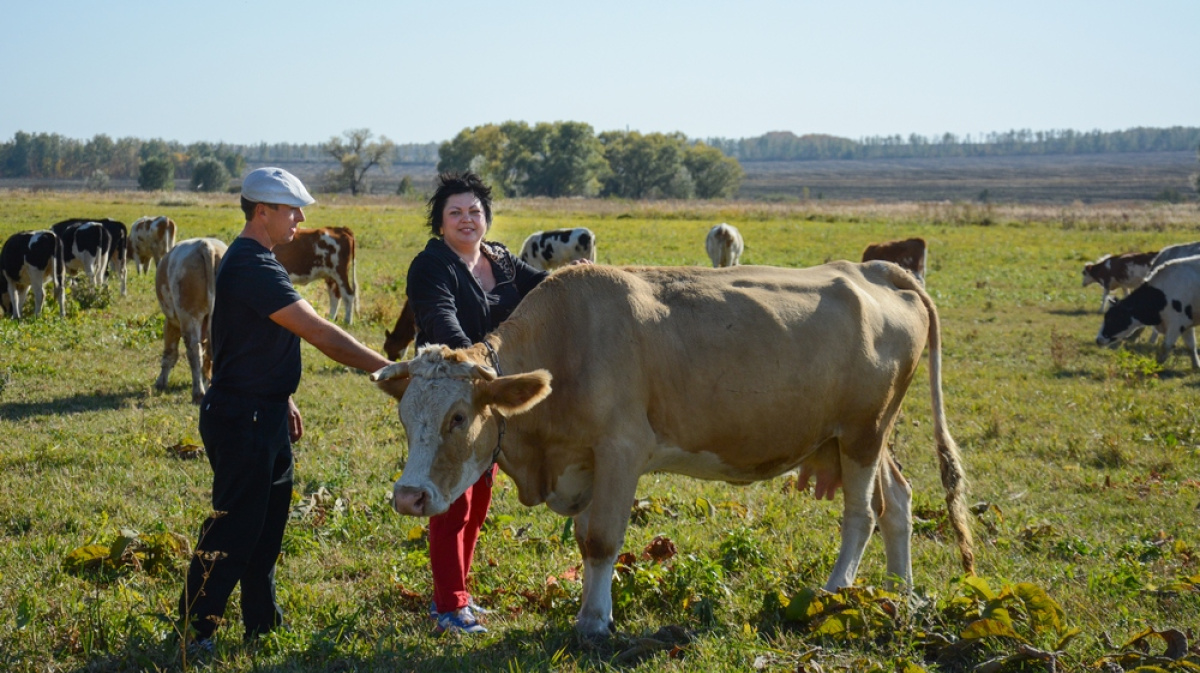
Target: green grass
1084,463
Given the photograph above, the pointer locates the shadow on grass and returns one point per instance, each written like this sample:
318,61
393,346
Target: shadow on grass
1075,312
548,649
76,404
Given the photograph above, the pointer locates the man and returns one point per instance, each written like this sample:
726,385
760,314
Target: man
247,418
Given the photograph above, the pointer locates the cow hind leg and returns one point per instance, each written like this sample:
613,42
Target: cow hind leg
893,509
858,521
192,342
171,336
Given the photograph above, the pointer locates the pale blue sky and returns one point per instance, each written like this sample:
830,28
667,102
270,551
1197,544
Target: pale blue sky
302,71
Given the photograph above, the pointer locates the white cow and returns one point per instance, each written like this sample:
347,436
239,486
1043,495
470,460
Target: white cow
724,245
549,250
1169,301
149,239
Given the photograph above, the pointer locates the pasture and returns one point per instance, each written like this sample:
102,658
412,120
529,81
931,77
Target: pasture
1084,463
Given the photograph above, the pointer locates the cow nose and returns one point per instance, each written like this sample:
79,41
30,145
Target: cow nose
409,500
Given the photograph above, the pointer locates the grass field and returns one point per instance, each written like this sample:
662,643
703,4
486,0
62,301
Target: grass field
1085,465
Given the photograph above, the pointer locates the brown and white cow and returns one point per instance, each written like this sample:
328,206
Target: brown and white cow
86,247
30,259
185,282
397,341
328,254
150,238
737,374
555,248
908,253
724,245
1113,272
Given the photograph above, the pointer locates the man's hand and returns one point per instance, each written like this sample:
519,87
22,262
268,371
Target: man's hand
295,423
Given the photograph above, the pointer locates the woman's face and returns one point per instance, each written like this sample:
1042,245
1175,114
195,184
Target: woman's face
463,222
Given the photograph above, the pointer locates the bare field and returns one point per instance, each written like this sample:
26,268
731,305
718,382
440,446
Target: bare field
1054,179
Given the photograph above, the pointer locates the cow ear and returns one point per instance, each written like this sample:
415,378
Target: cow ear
393,379
518,393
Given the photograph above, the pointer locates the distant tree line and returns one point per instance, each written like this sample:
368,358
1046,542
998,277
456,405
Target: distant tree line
570,159
786,146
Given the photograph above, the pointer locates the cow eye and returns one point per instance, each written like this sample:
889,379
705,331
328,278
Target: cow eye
457,420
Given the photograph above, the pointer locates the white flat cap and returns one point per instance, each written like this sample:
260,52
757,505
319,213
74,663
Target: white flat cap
275,185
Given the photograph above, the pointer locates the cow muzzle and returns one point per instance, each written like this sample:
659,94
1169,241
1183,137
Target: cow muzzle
410,500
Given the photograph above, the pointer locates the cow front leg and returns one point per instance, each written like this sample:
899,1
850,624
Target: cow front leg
170,356
858,520
600,533
1189,339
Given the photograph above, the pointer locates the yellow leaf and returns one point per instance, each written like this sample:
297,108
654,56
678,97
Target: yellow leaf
988,628
416,533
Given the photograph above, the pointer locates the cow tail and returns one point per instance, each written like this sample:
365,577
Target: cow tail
60,281
954,478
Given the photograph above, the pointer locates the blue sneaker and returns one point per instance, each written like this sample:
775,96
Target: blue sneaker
459,621
476,608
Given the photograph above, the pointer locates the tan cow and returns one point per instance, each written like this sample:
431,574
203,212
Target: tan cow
908,253
737,374
724,245
327,254
150,238
185,282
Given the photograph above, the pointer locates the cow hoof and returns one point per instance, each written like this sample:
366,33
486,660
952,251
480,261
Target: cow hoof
596,633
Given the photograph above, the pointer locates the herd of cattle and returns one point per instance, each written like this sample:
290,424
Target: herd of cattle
1160,288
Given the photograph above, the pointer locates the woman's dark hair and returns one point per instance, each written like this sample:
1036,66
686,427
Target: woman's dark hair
449,184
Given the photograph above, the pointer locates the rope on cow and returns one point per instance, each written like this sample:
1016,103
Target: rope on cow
495,360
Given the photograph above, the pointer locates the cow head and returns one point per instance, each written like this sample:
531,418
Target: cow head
1088,278
1142,308
449,406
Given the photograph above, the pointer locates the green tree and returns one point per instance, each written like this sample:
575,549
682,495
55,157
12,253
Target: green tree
645,166
356,155
559,159
156,173
209,175
715,175
405,188
481,150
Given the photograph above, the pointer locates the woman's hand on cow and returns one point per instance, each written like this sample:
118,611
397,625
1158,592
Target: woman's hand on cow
295,422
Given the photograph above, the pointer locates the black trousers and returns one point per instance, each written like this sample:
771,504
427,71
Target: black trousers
247,444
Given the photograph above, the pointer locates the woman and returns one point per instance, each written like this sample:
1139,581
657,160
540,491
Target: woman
460,288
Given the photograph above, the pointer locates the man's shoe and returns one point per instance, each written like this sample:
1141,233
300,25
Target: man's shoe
459,621
476,608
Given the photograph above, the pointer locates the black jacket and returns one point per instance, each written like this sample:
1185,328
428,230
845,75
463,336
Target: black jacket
451,307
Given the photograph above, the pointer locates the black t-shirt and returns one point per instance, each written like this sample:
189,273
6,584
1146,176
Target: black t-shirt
252,355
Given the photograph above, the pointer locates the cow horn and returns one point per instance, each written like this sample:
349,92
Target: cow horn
395,370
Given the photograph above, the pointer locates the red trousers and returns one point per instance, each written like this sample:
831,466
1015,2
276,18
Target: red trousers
452,537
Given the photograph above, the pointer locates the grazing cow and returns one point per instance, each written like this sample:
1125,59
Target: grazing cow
328,254
86,245
724,245
150,238
805,368
185,282
396,341
1125,271
549,250
30,259
1169,301
908,253
117,249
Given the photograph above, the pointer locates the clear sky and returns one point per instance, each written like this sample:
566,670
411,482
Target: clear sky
247,71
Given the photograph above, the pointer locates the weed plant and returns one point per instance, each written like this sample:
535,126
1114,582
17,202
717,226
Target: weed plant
1084,462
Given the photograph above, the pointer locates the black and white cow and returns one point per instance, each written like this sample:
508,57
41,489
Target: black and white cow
85,248
1113,272
30,259
1168,301
118,253
1175,252
548,250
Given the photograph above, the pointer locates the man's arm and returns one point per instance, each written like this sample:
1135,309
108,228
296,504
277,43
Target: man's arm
300,319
